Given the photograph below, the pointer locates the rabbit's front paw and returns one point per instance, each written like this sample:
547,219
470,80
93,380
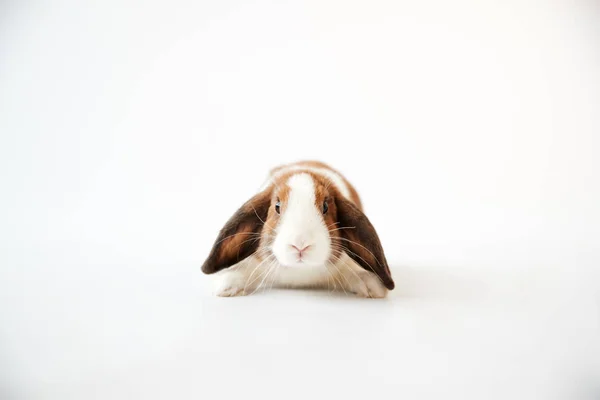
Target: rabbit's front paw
230,284
366,284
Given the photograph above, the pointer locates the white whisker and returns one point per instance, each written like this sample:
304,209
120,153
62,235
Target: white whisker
341,285
344,227
271,266
356,255
235,234
358,244
254,270
339,259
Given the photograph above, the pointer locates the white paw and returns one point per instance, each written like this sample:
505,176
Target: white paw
368,285
230,291
230,284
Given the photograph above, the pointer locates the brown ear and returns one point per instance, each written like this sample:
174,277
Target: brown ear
361,242
239,238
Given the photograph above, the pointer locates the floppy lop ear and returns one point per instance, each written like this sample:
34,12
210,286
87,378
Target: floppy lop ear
239,238
362,242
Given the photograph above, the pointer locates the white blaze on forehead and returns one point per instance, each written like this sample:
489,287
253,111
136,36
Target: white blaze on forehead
300,219
334,177
301,197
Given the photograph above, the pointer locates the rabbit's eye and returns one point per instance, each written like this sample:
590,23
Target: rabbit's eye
325,207
278,207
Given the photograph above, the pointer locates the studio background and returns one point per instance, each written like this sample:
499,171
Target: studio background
130,132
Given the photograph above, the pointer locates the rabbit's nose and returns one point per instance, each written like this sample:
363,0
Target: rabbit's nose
300,249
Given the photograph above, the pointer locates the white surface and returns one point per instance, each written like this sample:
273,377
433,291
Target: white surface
130,133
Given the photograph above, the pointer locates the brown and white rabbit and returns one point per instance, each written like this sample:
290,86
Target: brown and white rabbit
306,228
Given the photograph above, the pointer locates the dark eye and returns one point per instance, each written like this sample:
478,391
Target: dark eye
278,207
325,207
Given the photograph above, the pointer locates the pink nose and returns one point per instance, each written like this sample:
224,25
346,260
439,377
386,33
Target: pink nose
300,250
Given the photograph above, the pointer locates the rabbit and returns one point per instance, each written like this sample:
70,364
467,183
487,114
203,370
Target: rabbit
304,229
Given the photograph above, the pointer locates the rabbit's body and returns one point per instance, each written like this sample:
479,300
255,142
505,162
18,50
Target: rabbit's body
305,228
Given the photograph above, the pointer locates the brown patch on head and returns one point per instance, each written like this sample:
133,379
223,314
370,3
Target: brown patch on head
326,192
279,194
354,197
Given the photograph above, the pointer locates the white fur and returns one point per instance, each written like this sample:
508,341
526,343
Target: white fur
301,225
252,275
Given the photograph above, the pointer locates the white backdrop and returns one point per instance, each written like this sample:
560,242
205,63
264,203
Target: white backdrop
130,131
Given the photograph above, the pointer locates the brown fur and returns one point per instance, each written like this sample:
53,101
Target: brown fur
239,238
319,164
362,242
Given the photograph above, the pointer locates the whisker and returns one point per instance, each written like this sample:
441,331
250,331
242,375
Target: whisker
258,253
339,259
254,270
334,277
265,277
235,234
258,216
245,241
332,280
358,244
274,276
248,240
369,265
343,227
343,248
342,275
